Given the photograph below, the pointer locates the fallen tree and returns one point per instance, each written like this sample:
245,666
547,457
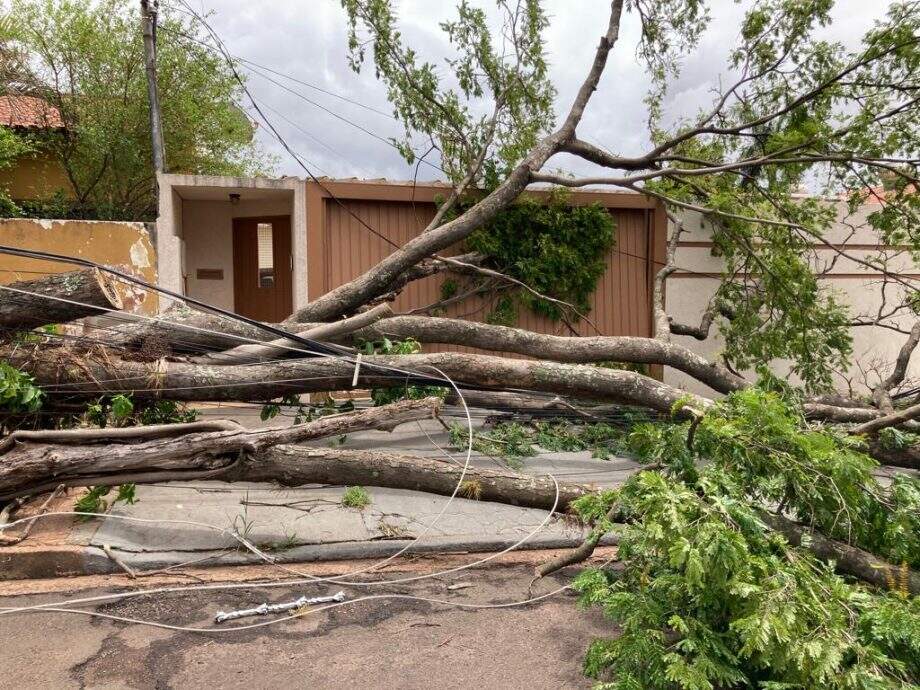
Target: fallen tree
89,374
57,298
39,461
704,569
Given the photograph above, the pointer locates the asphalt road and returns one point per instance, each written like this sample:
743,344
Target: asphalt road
385,643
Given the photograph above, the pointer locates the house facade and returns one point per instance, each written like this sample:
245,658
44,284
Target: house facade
266,247
839,264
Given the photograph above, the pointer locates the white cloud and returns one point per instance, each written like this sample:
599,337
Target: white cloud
307,40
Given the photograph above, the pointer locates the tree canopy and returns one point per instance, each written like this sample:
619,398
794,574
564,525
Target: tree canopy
87,59
799,113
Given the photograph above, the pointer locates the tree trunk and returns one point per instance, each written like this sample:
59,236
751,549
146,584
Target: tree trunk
901,457
71,458
849,560
180,329
93,375
282,347
57,298
178,332
297,465
238,455
847,414
635,350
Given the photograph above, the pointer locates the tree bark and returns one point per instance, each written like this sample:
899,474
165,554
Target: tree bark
57,298
177,334
908,457
235,454
180,329
281,347
895,418
847,415
70,457
296,465
54,369
849,560
637,350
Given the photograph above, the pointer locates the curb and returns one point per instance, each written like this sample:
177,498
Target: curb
68,561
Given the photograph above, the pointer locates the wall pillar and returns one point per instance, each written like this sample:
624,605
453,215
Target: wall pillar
170,255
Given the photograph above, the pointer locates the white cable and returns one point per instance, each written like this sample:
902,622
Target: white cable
299,614
311,578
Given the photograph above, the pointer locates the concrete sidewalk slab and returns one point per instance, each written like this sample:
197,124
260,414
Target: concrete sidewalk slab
183,522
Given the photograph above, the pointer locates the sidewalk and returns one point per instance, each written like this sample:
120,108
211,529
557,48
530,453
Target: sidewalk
307,523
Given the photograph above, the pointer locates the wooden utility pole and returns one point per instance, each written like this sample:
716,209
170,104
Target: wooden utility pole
149,9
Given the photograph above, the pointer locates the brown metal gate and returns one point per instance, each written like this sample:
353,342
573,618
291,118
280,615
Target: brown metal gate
340,247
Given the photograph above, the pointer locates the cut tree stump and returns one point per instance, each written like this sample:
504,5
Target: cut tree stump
57,298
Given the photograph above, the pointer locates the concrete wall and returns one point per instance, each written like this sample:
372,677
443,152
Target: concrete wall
37,176
207,229
194,230
125,246
691,286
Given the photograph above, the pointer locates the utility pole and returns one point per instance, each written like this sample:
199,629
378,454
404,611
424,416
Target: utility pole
149,9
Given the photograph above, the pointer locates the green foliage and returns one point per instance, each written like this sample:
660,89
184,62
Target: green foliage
709,597
304,412
409,346
94,500
449,288
513,441
512,75
120,410
89,63
122,407
555,248
504,312
356,497
893,438
821,110
13,146
18,392
166,412
624,366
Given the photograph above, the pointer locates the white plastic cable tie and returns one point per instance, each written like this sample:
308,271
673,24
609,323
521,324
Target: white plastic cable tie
354,379
266,608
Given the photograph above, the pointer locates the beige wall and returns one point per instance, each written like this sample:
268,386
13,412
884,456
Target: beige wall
36,176
194,230
854,284
207,230
125,246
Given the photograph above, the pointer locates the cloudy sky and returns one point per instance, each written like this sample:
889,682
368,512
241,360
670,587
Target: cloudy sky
306,40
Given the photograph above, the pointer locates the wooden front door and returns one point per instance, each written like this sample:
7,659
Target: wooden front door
262,268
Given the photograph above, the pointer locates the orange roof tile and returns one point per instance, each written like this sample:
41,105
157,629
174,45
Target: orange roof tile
29,112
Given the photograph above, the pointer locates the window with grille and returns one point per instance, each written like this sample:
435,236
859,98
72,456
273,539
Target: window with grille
266,255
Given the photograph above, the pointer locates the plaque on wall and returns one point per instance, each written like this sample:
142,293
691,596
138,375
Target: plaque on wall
209,274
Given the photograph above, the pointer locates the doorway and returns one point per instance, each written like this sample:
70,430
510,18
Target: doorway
262,267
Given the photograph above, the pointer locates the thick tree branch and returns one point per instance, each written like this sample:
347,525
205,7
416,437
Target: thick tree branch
893,419
632,349
376,281
63,375
849,560
662,322
69,457
252,352
881,394
57,298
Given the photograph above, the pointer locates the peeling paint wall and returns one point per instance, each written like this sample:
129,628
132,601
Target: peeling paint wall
125,246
